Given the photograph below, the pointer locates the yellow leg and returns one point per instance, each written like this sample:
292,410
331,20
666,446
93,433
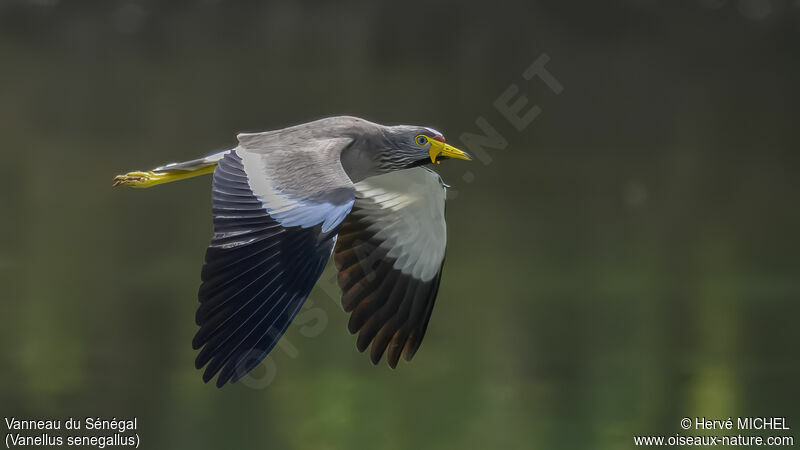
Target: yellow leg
153,178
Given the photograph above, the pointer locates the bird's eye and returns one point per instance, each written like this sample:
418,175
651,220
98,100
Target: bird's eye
421,140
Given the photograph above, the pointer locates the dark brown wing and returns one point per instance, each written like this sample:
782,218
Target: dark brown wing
390,253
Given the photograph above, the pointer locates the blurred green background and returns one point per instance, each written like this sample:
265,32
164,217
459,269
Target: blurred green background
629,259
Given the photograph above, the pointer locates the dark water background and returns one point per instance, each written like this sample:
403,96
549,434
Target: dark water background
629,259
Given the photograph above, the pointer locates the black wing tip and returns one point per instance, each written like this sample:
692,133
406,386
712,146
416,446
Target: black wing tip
208,375
221,381
391,360
410,350
197,342
222,377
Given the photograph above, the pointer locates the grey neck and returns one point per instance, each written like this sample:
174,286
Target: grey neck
361,159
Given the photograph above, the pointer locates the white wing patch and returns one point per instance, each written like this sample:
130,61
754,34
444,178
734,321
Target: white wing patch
406,209
262,187
289,212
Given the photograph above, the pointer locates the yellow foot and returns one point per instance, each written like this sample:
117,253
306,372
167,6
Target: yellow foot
139,179
152,178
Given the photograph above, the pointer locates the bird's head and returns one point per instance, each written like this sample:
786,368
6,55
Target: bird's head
416,146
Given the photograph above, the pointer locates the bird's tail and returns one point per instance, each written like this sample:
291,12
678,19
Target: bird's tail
171,172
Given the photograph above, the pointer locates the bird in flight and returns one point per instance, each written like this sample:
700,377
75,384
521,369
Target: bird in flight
283,201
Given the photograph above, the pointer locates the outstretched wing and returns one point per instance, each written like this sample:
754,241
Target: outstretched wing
390,253
273,234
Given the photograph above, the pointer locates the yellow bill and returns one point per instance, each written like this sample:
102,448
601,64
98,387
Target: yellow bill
440,149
